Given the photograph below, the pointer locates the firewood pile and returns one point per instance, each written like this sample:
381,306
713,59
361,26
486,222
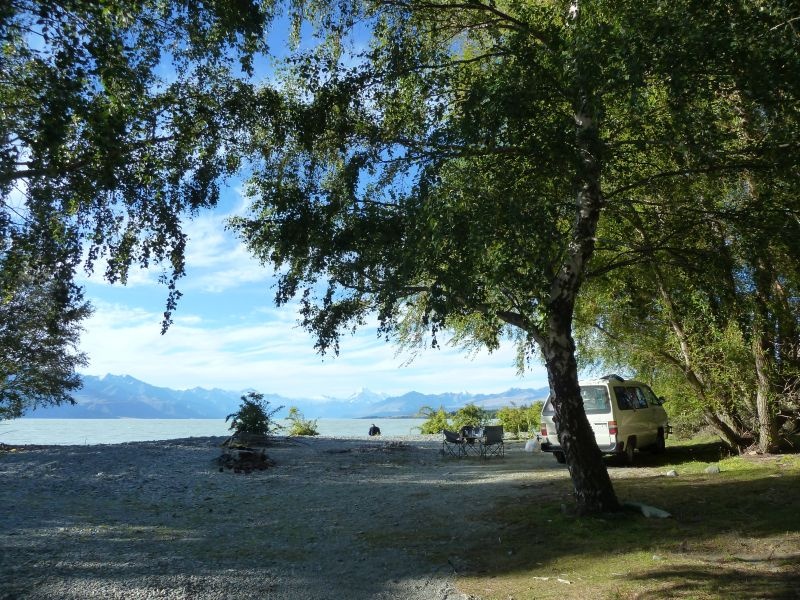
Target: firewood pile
244,460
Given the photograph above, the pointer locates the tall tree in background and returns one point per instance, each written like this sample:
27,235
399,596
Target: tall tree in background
118,120
704,284
453,175
707,306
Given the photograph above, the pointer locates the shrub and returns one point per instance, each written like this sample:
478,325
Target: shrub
254,416
299,424
521,419
437,420
470,416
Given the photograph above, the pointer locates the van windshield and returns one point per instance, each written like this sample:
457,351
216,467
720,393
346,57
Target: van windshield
595,401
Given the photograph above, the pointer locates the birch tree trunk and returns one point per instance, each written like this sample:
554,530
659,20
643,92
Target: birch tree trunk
594,492
592,484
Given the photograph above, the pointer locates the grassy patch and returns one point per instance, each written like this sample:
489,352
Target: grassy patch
734,534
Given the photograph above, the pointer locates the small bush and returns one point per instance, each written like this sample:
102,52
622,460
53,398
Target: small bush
470,416
437,420
254,416
299,424
521,419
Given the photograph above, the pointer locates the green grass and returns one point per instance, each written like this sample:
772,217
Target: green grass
735,534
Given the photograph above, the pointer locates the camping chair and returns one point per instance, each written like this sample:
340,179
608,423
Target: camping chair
453,444
492,441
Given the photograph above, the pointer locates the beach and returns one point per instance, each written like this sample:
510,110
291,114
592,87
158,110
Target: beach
350,518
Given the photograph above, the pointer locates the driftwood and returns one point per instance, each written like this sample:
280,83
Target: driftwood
244,460
242,439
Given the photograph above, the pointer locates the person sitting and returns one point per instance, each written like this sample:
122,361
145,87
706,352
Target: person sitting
374,430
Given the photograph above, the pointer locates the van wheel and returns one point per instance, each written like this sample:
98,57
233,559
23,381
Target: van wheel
630,447
660,444
560,457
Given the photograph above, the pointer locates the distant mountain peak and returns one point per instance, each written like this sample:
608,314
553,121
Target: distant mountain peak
366,395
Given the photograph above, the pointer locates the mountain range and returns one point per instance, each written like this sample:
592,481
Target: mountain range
123,396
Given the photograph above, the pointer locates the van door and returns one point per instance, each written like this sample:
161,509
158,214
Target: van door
659,416
635,415
597,406
631,419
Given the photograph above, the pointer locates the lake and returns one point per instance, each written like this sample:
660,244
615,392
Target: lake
116,431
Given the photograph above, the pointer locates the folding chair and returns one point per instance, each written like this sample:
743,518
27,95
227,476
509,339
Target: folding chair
453,444
492,441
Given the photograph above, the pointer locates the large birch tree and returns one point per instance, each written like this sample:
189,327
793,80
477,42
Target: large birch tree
452,174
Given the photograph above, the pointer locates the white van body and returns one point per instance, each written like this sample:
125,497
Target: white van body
624,415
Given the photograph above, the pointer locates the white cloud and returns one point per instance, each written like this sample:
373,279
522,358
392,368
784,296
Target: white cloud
216,260
273,355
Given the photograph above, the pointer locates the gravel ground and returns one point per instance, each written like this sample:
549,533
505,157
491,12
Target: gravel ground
332,519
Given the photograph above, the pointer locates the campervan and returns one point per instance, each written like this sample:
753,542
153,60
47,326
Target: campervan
625,415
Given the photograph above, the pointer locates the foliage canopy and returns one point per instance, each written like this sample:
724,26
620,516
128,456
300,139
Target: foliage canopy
118,120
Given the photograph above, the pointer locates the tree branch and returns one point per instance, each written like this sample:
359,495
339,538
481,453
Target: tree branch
684,172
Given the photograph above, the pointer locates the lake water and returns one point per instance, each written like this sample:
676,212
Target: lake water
115,431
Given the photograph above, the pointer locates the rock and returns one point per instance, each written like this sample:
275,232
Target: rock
712,469
671,473
648,511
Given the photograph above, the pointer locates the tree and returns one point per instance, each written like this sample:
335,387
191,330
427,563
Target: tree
40,316
254,416
121,118
519,419
710,319
437,420
469,415
118,120
458,186
704,265
453,175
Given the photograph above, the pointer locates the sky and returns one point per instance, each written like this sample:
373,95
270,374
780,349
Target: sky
228,334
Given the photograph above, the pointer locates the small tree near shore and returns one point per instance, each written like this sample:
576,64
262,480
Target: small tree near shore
254,416
521,419
470,415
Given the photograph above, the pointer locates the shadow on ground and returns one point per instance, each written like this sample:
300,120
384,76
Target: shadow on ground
358,521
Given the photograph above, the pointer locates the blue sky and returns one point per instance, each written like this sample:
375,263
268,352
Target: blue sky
228,334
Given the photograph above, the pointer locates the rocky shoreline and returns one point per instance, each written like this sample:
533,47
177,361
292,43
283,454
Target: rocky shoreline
330,518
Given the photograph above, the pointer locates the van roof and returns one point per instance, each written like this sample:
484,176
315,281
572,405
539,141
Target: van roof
607,380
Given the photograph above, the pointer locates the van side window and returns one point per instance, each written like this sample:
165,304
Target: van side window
652,399
640,400
624,401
